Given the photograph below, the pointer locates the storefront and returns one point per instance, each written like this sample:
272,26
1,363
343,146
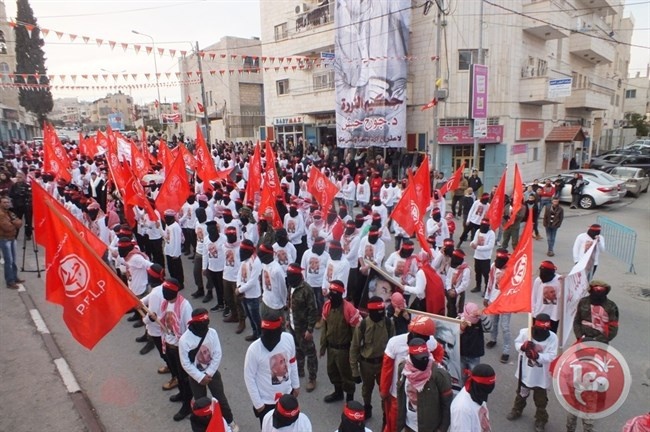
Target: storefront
289,129
563,144
322,131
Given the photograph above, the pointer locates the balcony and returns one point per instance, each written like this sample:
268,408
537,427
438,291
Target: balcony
593,50
533,87
547,11
607,7
589,99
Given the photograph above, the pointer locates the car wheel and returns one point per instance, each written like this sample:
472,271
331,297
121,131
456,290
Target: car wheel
587,202
646,189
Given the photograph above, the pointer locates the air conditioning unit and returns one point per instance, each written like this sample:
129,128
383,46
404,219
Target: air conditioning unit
301,8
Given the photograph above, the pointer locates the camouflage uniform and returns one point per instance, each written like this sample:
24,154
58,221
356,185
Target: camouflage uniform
335,337
367,353
304,315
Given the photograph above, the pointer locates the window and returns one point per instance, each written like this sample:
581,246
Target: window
466,57
323,81
251,63
281,32
3,43
4,73
282,87
630,94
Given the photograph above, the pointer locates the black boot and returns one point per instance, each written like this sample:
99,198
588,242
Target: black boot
208,297
143,338
135,317
336,396
183,412
198,293
368,411
349,397
148,347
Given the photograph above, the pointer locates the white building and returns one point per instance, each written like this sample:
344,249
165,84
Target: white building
637,95
575,39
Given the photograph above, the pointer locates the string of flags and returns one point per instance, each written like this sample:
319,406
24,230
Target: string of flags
38,87
292,62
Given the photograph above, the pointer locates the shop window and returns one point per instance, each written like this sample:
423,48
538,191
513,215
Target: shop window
282,87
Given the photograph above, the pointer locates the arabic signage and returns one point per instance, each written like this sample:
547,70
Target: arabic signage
371,96
530,130
478,96
463,135
169,118
519,149
559,88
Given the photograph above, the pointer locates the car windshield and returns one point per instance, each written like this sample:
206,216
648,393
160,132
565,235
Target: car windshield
624,172
616,158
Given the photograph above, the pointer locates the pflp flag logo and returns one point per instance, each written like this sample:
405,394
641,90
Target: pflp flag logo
74,274
591,380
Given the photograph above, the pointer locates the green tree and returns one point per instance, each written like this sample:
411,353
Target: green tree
639,122
30,64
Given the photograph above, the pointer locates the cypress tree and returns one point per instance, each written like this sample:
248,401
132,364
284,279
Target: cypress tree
30,59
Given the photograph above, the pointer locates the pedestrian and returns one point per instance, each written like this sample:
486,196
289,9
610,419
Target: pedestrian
398,313
492,292
153,333
10,224
456,283
367,349
469,411
477,212
303,315
512,232
546,193
337,268
197,265
350,243
21,198
596,319
294,224
314,264
249,289
457,199
353,418
474,181
553,217
214,261
173,239
340,317
533,373
137,264
402,264
424,392
286,417
187,222
270,366
427,286
547,289
200,355
583,243
203,409
577,185
483,245
230,272
437,227
472,344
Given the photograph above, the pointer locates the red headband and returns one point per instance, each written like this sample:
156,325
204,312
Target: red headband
247,246
284,413
418,349
153,273
271,325
202,412
546,325
548,265
503,255
170,286
293,268
488,380
200,318
264,248
353,415
407,246
459,253
337,287
376,305
320,241
448,243
598,288
595,228
336,246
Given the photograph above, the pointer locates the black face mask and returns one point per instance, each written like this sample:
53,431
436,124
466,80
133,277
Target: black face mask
376,223
191,200
265,257
377,202
226,199
480,392
377,315
372,238
597,299
484,228
593,233
244,254
293,212
227,218
200,329
500,262
294,280
530,203
448,251
168,294
280,422
213,233
270,338
231,238
200,215
436,217
348,425
358,223
455,261
350,231
169,220
485,201
318,248
546,275
336,253
331,218
420,363
263,225
540,334
153,281
343,213
203,204
124,251
336,299
244,220
92,214
405,253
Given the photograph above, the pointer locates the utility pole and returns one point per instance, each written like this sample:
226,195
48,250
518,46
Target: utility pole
480,61
203,98
435,148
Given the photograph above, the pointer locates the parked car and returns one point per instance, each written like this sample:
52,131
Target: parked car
634,161
589,173
636,179
597,162
596,191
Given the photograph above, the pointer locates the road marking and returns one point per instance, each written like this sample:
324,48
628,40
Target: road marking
38,321
66,375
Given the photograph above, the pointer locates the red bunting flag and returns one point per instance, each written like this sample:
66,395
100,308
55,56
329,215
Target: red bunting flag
517,197
93,297
321,188
115,168
431,104
271,180
495,212
134,195
452,183
200,107
175,189
516,285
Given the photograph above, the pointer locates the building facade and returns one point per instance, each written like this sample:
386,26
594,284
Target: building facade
70,111
526,45
637,95
232,80
113,109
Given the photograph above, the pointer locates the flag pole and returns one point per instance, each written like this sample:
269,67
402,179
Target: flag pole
78,237
560,328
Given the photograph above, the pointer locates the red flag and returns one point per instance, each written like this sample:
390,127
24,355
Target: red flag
204,163
452,183
115,168
134,195
495,213
101,141
145,148
408,213
139,164
94,299
254,174
267,205
321,188
216,421
55,159
188,158
175,189
164,155
431,104
517,197
200,107
272,180
516,285
41,221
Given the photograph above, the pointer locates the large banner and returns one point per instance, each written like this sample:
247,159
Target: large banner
576,285
372,42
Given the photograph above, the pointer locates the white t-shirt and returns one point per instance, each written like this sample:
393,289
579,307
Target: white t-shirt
467,415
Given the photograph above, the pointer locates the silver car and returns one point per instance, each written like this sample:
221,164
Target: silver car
635,179
591,173
596,191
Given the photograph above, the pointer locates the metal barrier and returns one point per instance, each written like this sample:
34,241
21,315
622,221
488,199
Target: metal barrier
620,240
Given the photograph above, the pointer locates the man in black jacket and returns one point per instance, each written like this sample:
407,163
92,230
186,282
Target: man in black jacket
21,197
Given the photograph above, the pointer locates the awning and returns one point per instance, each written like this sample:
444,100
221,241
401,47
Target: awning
566,134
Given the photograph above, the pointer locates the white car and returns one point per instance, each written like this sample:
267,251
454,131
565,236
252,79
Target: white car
591,173
596,192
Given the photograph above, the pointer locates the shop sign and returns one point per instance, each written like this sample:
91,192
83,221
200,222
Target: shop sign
281,121
463,135
530,130
10,114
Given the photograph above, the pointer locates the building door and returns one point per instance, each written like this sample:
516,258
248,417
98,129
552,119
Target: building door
495,164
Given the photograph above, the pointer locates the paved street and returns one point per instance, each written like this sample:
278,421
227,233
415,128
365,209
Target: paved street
125,389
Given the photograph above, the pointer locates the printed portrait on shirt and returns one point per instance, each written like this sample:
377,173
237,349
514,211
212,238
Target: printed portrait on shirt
291,227
282,257
213,250
203,358
550,294
279,365
369,252
266,280
230,258
314,265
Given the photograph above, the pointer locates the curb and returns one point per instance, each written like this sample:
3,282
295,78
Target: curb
582,212
80,400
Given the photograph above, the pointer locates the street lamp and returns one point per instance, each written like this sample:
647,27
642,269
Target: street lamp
155,65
